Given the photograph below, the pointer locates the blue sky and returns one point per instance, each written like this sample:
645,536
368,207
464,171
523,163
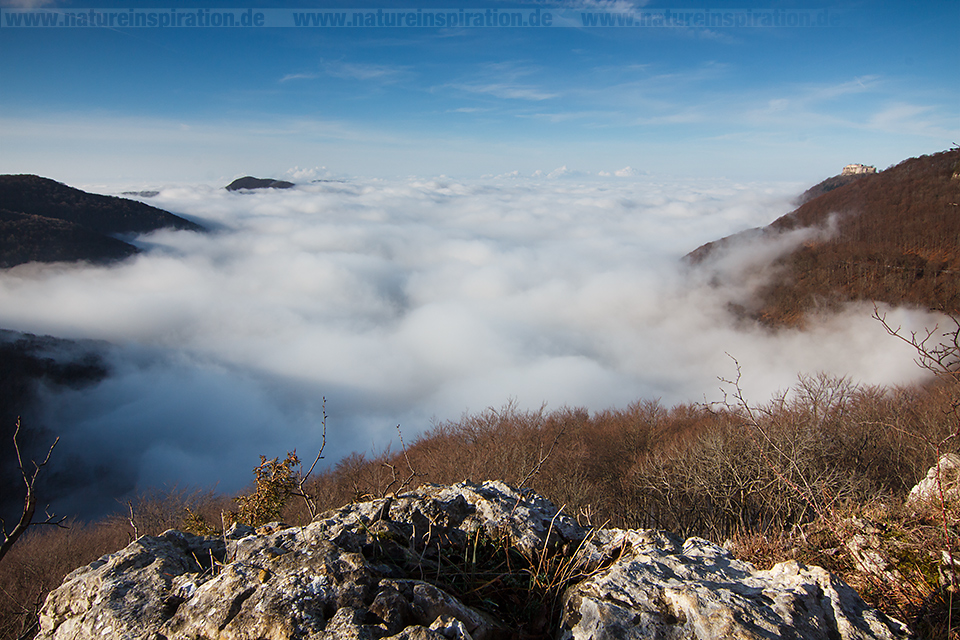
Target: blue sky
151,105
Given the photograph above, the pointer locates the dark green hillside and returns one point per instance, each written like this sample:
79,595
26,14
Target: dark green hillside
104,214
45,221
31,238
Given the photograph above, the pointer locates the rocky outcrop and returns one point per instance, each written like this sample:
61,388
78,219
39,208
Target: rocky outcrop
471,561
943,475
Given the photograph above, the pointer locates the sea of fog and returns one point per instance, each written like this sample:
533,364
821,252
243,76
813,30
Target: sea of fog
410,302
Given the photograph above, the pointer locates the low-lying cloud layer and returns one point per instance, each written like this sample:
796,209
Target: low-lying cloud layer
403,302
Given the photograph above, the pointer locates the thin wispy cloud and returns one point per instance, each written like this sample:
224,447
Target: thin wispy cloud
860,84
813,98
354,71
510,80
299,76
575,115
685,116
362,71
510,91
613,6
813,106
919,120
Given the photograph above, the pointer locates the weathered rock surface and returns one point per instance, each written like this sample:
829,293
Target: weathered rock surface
662,587
412,568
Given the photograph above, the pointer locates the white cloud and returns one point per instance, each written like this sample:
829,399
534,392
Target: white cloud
599,116
297,174
626,172
919,120
401,301
506,80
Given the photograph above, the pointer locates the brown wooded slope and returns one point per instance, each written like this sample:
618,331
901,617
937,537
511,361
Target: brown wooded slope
897,241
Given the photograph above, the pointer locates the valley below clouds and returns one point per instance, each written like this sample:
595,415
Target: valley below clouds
410,302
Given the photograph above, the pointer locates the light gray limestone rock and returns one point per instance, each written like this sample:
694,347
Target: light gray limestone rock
383,570
662,587
948,469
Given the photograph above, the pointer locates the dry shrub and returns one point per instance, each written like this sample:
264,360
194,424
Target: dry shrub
154,511
824,444
276,482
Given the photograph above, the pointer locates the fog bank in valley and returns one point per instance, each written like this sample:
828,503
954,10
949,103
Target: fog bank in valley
411,301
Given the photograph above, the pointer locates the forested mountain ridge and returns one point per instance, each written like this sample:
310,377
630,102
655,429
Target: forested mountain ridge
895,238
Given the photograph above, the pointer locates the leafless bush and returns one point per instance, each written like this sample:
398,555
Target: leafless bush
153,511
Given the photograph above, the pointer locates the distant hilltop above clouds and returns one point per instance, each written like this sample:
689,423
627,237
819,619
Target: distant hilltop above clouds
248,183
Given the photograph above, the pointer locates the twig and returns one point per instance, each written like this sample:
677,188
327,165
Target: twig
132,520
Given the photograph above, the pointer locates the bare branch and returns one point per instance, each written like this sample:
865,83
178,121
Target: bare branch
938,353
413,473
323,442
806,492
543,458
308,500
30,500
